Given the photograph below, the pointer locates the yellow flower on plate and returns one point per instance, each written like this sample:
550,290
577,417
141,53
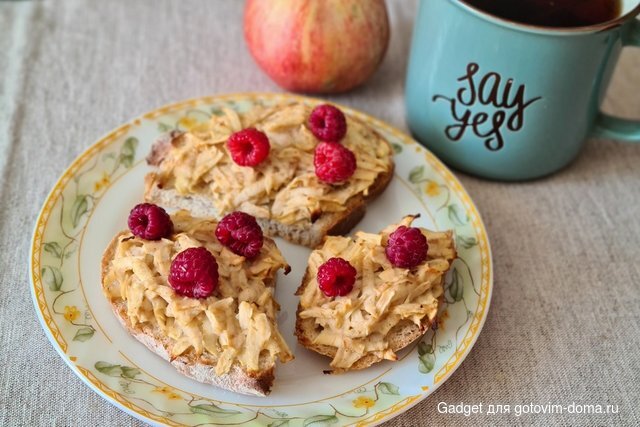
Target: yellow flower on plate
167,391
102,182
363,402
188,123
173,396
432,189
71,313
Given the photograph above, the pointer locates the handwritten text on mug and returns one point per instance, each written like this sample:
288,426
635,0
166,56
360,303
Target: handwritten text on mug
488,91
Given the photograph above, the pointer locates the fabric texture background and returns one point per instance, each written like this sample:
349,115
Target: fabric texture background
564,322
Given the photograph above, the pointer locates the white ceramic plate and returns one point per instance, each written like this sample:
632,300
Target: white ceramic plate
90,203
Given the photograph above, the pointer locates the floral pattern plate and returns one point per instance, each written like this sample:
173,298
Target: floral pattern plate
90,203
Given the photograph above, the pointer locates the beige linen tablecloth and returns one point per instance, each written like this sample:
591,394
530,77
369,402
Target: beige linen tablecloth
564,323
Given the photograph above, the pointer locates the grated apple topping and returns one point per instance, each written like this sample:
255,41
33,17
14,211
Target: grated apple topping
236,323
284,187
383,296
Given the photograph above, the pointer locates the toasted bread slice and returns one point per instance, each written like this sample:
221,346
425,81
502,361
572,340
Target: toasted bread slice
392,307
328,219
199,365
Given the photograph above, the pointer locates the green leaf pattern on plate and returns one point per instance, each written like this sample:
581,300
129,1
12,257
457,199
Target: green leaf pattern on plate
456,216
426,356
54,249
388,388
456,288
129,372
415,176
84,334
53,277
426,363
109,369
211,409
321,420
466,242
366,400
128,152
163,127
89,185
452,216
79,209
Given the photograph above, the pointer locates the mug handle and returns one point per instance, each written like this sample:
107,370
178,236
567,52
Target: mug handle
611,127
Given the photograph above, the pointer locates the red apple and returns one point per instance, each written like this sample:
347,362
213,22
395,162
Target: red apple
317,46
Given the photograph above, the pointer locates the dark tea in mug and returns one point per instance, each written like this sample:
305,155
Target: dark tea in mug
552,13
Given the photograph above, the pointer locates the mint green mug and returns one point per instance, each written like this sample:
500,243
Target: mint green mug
512,101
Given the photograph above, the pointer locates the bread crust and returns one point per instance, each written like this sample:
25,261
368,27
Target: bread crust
399,337
237,379
327,224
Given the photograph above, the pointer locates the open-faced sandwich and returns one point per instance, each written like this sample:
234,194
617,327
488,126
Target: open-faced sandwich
363,298
302,172
200,294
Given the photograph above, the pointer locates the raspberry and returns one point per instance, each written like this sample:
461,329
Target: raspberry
336,277
194,273
248,147
149,222
334,162
407,247
241,233
327,123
